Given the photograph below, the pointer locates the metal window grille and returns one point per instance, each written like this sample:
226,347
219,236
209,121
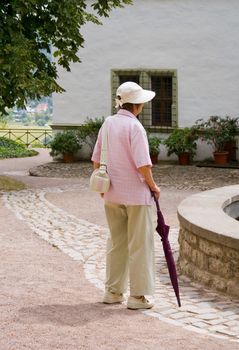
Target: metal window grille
162,103
162,111
124,78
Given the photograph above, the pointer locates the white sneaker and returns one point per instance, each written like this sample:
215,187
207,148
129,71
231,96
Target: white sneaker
112,298
139,303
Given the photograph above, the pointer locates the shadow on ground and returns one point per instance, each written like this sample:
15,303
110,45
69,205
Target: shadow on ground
71,315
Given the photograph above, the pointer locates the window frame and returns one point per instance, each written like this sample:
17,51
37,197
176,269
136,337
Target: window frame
145,81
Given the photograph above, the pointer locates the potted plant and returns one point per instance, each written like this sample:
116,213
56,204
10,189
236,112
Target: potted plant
88,132
65,143
154,142
232,125
217,132
182,142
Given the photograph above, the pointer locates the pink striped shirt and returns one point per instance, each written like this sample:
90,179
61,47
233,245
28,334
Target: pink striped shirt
127,150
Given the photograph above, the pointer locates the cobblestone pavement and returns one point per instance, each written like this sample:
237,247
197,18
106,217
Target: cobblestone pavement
203,311
180,177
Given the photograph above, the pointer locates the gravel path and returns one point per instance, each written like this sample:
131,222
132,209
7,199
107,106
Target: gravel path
170,176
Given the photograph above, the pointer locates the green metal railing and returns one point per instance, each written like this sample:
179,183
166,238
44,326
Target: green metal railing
29,137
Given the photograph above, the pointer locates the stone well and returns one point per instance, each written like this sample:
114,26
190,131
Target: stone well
209,238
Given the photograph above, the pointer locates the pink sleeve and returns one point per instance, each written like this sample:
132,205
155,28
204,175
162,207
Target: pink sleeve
140,149
97,149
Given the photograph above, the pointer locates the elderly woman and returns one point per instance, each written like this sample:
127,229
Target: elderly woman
128,203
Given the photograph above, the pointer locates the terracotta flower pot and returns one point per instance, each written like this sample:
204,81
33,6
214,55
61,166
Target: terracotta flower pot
68,158
220,157
154,158
184,158
231,148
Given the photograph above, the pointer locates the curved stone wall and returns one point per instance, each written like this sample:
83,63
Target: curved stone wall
209,239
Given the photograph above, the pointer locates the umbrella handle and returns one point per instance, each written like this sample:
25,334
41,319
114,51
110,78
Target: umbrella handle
155,199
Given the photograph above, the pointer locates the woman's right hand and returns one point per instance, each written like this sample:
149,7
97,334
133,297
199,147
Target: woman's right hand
156,191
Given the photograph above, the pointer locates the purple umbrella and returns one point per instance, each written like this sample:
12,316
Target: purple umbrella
163,231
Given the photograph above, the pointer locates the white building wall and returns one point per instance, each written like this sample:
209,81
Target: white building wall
198,38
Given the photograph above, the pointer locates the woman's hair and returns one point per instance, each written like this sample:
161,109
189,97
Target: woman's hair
128,106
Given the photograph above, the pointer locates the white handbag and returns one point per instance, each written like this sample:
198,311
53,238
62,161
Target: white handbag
99,180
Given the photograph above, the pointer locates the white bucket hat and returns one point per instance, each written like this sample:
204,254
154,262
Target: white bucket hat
131,92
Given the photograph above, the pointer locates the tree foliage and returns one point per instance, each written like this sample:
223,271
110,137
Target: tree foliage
28,31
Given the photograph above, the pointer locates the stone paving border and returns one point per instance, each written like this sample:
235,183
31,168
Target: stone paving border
203,311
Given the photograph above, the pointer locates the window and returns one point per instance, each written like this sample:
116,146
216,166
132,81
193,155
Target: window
162,110
124,78
162,103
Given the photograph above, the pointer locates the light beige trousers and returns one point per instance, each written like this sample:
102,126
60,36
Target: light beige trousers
130,249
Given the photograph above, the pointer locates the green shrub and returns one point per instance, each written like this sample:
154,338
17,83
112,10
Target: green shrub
182,140
7,143
154,142
14,149
217,131
66,142
88,132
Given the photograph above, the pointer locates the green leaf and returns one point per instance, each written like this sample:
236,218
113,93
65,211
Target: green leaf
28,31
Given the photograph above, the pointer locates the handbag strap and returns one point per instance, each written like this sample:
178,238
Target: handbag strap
104,153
